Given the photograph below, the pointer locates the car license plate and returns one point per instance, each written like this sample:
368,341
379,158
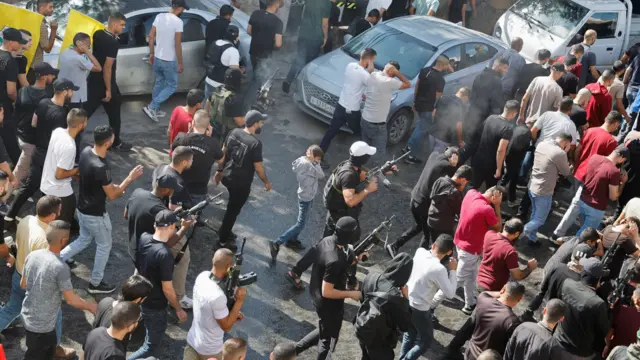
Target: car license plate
322,105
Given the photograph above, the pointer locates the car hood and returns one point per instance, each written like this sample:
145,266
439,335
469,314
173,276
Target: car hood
329,68
534,37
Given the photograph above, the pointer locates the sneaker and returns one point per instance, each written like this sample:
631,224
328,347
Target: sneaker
274,248
324,164
10,224
412,160
534,244
150,113
186,303
512,204
64,353
521,186
102,288
392,250
160,113
294,244
72,264
404,150
286,86
294,279
233,236
122,147
467,310
228,245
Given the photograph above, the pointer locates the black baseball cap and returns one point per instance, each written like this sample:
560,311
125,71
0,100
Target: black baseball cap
180,3
623,151
582,251
226,10
166,218
11,34
62,84
253,116
44,68
558,67
168,182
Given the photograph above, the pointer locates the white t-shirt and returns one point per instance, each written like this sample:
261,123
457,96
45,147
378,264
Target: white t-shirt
355,83
230,57
61,154
379,91
75,67
209,305
167,25
552,123
378,4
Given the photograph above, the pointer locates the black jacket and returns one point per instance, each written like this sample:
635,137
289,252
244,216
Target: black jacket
485,100
446,201
532,341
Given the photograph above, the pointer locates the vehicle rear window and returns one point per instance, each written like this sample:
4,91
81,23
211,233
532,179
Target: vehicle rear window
391,44
559,17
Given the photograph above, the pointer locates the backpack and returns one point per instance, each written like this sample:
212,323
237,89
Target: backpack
371,324
221,123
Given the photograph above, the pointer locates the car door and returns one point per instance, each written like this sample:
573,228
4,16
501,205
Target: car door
608,45
453,77
193,49
475,57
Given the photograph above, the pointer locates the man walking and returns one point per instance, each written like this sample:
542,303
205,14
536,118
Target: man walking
47,38
182,116
221,55
589,73
217,27
265,28
601,101
75,64
167,61
530,71
516,64
543,94
95,187
446,199
13,42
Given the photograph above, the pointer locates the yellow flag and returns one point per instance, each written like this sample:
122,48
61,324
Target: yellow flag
22,19
79,23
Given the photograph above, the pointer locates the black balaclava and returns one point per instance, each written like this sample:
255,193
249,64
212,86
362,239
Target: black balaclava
398,269
346,228
359,161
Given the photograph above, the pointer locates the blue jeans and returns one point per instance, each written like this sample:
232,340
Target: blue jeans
589,217
295,230
540,207
417,340
527,164
96,228
155,323
166,82
423,125
375,134
11,311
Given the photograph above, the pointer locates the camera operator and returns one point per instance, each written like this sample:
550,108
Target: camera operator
155,262
589,236
206,151
327,288
211,317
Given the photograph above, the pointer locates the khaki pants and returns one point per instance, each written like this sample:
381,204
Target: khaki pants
180,270
191,354
24,162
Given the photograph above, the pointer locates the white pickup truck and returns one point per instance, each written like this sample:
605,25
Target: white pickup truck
555,24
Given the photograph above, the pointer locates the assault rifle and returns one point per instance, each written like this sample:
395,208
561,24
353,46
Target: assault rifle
236,279
620,283
184,213
262,100
378,172
375,237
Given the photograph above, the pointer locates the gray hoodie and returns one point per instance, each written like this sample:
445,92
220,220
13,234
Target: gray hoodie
308,175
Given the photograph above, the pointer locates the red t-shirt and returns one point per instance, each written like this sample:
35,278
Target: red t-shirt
476,217
596,141
601,173
498,257
575,69
179,122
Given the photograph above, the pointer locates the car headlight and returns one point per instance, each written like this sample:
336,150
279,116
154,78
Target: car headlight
394,96
497,32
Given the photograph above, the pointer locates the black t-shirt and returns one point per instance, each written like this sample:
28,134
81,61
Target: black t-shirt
142,209
626,247
449,111
103,314
345,176
493,324
436,167
358,26
101,346
94,174
632,52
26,104
330,266
181,198
569,83
3,158
8,72
334,17
21,61
154,261
455,10
578,115
431,82
206,150
105,45
520,140
50,117
526,76
496,128
215,30
243,151
234,106
264,27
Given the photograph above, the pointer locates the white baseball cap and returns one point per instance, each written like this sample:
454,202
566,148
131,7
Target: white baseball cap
360,148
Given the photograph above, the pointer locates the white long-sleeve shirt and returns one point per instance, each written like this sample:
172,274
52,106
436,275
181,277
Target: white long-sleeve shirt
427,277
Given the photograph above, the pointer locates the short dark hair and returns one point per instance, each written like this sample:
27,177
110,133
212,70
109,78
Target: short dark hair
613,117
566,104
124,313
3,176
489,354
284,351
556,309
180,154
233,347
464,172
543,54
570,60
48,205
102,134
375,13
514,225
450,151
618,65
44,2
368,53
578,48
195,97
76,117
395,64
54,230
512,105
589,234
444,243
136,287
271,2
117,16
608,75
80,37
514,289
564,136
502,60
316,151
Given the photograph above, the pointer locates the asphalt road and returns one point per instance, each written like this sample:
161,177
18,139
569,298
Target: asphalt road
274,312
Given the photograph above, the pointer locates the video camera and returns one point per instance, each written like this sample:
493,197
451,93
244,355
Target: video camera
236,279
263,102
197,208
378,172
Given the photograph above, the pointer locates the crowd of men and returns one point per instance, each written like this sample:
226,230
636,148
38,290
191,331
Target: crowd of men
541,126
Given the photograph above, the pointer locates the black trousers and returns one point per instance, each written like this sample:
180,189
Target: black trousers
326,335
68,210
41,346
420,213
339,119
9,133
238,196
510,177
95,93
483,175
30,186
376,353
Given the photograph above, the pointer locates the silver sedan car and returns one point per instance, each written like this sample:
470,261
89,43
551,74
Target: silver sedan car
134,74
414,42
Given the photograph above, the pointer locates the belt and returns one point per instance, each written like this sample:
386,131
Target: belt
378,124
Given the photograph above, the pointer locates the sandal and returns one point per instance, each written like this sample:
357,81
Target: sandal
294,280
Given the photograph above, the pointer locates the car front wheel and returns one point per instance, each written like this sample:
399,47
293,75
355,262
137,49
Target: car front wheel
399,125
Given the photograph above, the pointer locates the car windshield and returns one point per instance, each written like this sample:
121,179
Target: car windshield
391,44
97,9
559,17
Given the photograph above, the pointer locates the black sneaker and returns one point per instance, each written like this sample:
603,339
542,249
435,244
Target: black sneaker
392,250
122,147
102,288
71,264
233,236
412,160
274,249
404,150
467,310
10,225
229,245
534,244
294,244
286,86
324,164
